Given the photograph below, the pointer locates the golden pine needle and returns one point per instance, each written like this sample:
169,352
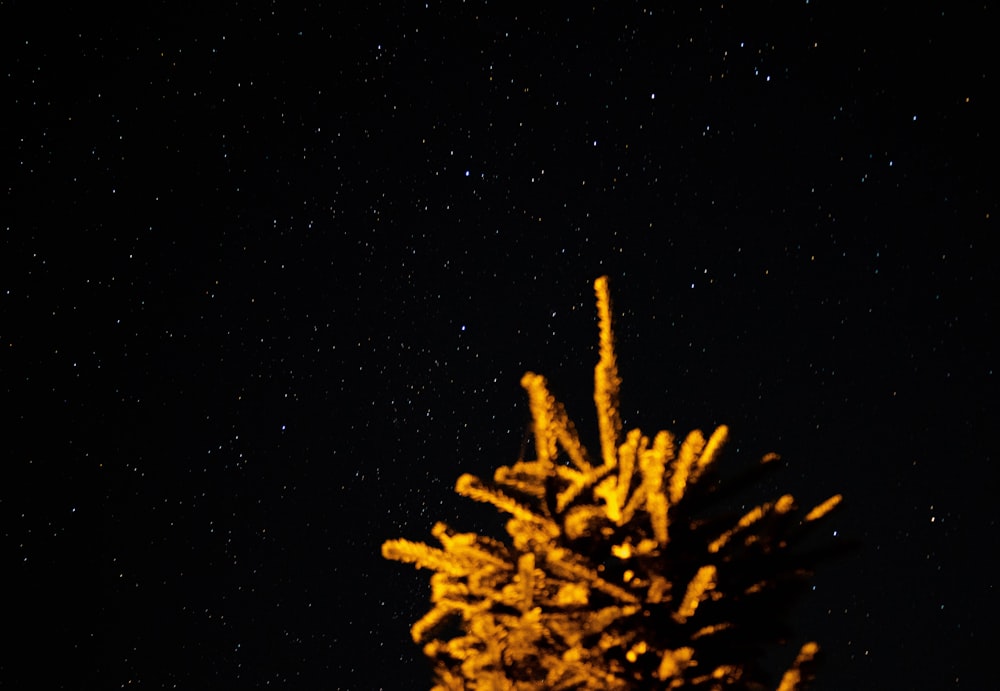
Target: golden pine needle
793,677
824,508
699,586
606,380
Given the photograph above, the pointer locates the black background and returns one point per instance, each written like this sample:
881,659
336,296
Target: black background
269,279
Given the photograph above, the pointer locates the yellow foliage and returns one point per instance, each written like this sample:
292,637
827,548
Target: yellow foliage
585,596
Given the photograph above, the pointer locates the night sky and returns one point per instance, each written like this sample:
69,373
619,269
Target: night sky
269,280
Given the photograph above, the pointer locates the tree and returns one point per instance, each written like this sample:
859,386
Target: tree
615,577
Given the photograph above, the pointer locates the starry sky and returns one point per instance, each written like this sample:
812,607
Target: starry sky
269,279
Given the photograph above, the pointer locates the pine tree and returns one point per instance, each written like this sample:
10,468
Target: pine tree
612,578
